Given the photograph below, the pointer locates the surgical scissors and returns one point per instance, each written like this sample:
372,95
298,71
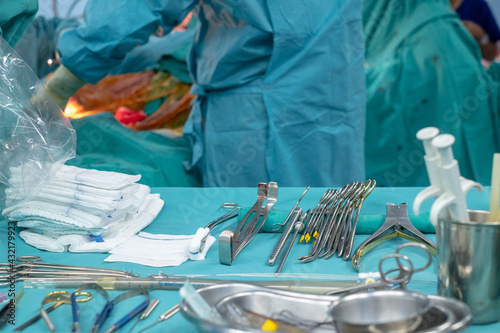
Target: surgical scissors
58,297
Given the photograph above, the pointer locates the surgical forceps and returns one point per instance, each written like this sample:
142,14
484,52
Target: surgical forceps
327,220
31,266
369,186
338,223
397,223
343,235
59,298
334,221
318,213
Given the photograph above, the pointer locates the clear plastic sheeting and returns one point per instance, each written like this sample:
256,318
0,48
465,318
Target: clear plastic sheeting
35,137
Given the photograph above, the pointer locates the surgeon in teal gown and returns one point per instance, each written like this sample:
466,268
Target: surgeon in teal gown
15,17
280,84
423,68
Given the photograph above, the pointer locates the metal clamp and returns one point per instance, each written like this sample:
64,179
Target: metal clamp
397,223
230,244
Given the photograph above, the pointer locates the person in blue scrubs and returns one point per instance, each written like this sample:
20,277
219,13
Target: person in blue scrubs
280,84
479,20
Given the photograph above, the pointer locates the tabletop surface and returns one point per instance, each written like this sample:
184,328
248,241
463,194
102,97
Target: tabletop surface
187,209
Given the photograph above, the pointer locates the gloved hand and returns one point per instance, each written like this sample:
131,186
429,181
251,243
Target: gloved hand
62,85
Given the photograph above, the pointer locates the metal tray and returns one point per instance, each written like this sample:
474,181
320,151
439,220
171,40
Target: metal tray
446,314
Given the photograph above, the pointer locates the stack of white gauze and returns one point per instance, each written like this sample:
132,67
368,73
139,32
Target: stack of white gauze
82,210
161,250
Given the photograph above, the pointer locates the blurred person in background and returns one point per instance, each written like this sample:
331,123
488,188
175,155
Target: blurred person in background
280,85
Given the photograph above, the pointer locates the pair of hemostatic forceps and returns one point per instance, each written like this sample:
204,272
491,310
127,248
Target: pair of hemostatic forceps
326,221
337,221
59,298
31,266
333,221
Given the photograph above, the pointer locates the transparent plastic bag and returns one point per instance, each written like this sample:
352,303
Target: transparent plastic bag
35,136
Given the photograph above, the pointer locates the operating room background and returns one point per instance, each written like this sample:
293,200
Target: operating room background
432,80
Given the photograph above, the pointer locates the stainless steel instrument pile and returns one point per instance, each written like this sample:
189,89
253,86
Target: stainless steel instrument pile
302,313
31,267
377,307
332,223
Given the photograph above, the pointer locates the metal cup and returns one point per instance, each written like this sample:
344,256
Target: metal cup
469,264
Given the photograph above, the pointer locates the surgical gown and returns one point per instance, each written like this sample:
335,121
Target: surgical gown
15,17
280,84
423,68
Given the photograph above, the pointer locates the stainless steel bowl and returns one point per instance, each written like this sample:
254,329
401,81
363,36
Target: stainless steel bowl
262,302
212,295
289,313
388,311
445,315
